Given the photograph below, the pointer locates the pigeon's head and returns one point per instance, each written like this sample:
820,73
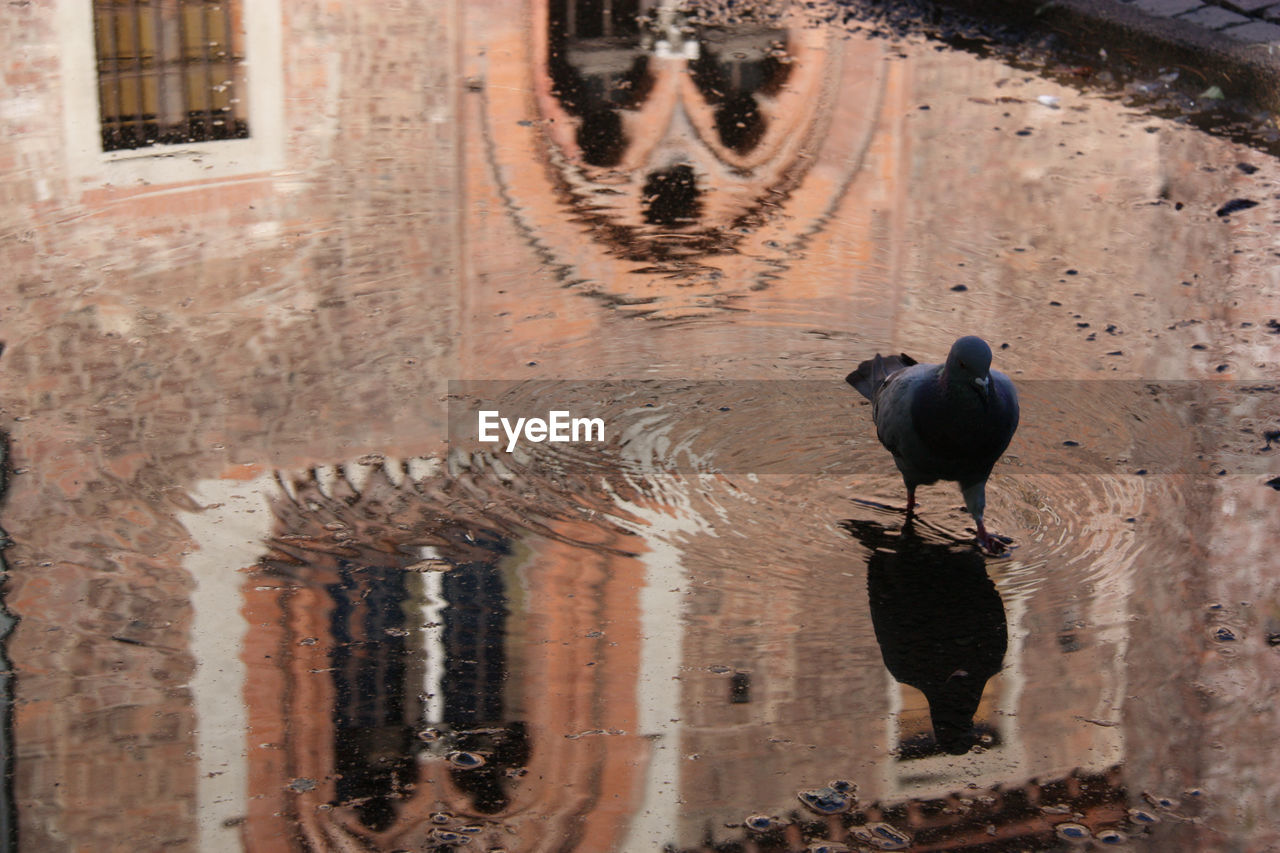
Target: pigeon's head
969,362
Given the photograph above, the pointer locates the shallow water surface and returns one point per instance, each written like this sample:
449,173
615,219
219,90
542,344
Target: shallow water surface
270,590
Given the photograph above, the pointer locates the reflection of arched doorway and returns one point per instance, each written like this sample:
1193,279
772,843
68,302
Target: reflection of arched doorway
402,685
406,664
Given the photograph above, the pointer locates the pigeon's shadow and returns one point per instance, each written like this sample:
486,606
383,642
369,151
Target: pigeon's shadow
940,624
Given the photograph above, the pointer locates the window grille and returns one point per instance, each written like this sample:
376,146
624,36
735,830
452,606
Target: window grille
170,71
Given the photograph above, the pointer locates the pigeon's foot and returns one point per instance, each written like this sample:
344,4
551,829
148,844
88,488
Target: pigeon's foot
989,544
911,501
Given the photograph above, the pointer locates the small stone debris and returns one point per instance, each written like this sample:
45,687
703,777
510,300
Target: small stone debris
1235,206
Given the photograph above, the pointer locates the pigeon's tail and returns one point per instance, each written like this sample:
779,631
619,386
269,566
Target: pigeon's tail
872,373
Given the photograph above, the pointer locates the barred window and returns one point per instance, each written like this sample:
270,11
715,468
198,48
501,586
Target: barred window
170,71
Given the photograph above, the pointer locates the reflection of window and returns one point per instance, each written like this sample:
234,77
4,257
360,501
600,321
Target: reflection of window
372,735
597,18
598,67
475,651
671,196
733,69
463,669
170,71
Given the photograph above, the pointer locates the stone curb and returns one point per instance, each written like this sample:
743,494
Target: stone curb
1239,53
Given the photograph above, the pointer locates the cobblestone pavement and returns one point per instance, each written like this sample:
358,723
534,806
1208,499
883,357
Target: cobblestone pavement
1249,21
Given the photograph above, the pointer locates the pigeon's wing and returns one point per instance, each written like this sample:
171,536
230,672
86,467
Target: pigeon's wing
1004,412
871,374
891,408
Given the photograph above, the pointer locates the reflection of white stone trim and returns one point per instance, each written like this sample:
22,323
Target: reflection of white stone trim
658,695
229,535
658,689
263,151
433,605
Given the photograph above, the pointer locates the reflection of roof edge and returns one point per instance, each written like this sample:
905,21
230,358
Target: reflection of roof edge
387,511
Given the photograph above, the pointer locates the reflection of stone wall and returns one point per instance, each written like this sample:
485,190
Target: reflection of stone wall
163,334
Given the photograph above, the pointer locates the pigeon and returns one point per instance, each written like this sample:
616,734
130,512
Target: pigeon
948,421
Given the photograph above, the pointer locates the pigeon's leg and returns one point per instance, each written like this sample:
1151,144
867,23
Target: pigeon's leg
911,500
975,500
987,542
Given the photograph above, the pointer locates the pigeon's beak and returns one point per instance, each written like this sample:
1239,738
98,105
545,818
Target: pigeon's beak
982,383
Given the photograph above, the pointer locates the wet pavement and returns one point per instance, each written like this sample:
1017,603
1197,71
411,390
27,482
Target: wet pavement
1219,37
273,592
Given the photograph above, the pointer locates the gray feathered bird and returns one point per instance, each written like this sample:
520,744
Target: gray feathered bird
948,421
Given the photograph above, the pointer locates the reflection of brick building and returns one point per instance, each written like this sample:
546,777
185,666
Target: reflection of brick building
8,817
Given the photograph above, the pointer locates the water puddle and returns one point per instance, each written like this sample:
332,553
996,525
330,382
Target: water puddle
485,478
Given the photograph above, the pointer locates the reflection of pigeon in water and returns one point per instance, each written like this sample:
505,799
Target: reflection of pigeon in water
940,624
948,421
